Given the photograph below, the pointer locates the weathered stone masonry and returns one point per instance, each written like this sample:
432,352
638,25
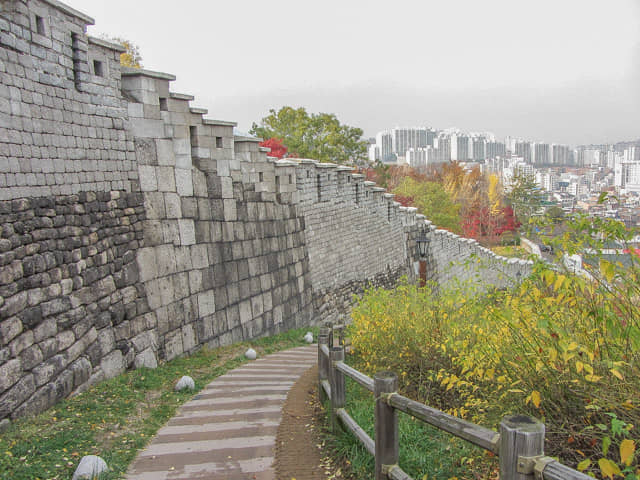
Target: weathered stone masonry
135,229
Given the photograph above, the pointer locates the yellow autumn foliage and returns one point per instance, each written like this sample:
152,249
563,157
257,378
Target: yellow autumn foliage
540,349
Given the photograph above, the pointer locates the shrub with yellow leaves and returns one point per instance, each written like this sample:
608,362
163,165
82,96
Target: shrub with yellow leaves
553,347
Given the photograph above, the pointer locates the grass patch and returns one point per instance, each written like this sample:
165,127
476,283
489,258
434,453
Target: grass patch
425,451
511,251
118,417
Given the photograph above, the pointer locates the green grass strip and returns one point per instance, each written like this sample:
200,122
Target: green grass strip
118,417
425,451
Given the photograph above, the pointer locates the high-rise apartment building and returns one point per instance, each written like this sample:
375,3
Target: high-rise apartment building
523,149
479,149
384,143
443,146
542,154
496,149
406,138
460,150
561,155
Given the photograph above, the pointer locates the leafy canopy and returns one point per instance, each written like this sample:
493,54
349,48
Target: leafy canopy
319,136
131,57
278,150
525,196
433,201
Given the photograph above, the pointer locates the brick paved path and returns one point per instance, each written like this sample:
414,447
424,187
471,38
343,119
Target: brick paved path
228,430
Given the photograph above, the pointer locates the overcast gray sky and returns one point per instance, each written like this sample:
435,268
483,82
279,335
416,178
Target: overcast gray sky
565,71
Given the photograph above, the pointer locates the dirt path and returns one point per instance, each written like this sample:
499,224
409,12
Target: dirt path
299,444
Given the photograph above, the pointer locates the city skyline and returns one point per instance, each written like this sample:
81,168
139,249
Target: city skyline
567,73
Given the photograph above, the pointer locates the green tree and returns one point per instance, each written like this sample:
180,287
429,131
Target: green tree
432,200
525,197
555,214
319,136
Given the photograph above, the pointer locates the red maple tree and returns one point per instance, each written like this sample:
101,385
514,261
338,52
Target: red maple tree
278,149
480,223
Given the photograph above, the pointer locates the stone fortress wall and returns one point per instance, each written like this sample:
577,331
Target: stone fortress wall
135,229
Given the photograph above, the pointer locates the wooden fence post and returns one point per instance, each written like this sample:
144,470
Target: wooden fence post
386,439
521,441
330,327
323,371
337,385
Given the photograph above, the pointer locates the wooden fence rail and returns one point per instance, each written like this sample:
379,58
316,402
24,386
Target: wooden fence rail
519,442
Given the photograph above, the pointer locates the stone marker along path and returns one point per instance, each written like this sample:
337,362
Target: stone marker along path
228,430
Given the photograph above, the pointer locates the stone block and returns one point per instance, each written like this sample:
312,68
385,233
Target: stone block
148,178
154,206
145,340
165,153
10,373
183,259
257,307
106,341
25,340
16,395
184,182
189,339
195,281
46,329
199,256
166,179
172,205
171,232
9,329
43,373
113,364
159,292
147,359
206,303
230,213
166,260
173,345
141,127
245,311
187,232
31,357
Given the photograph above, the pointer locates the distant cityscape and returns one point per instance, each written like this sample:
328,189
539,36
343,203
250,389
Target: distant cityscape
572,177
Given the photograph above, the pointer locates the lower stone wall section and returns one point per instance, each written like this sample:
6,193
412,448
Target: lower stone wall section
458,262
71,312
335,304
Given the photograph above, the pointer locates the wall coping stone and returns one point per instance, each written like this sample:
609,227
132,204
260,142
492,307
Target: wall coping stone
241,139
181,96
285,163
71,11
106,44
343,168
198,111
369,184
223,123
135,72
326,165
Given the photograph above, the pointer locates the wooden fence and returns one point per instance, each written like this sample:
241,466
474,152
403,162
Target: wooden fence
519,442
